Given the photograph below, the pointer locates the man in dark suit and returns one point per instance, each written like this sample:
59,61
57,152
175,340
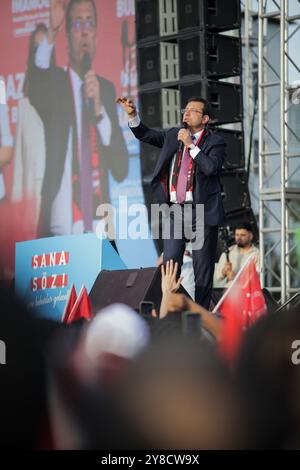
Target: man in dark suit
82,133
188,174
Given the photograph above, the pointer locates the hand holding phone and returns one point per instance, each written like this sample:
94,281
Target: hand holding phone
146,308
191,324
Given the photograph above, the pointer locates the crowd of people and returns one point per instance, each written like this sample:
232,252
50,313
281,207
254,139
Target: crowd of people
130,381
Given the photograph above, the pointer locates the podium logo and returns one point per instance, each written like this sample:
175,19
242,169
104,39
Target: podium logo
2,353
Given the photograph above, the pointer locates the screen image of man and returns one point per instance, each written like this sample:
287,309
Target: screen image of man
243,248
82,134
188,176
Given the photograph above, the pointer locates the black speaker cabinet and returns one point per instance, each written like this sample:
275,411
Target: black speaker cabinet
235,191
204,55
192,15
149,156
209,55
235,153
147,19
215,15
151,107
128,286
149,68
225,101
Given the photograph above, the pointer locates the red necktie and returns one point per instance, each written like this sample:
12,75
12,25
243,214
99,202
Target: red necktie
85,172
182,177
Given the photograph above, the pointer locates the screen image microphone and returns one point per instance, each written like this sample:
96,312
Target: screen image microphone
124,40
86,65
181,146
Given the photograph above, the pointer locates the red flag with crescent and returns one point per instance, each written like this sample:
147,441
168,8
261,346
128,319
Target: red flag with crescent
241,305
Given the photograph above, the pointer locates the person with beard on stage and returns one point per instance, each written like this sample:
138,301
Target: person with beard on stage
230,263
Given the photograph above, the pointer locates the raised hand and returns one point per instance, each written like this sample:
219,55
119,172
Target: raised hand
57,14
128,105
168,277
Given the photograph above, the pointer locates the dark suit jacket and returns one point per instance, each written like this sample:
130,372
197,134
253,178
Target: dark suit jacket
207,188
50,93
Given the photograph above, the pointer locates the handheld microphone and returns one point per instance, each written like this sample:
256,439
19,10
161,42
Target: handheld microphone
181,146
85,66
124,40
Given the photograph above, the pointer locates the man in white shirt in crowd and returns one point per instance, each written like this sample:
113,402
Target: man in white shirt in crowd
238,254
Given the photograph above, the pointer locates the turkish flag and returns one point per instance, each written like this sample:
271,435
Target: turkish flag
82,307
69,304
241,305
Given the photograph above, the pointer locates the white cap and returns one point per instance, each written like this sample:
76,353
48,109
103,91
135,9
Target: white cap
117,329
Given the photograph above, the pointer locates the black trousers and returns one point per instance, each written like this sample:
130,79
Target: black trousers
203,259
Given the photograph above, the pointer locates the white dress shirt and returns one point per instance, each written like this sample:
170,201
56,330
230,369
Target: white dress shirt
237,259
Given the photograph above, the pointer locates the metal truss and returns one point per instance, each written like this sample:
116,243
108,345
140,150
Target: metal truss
279,146
250,70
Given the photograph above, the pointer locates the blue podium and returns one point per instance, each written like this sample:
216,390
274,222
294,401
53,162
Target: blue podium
45,269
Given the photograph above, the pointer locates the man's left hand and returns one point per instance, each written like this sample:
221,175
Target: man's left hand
92,90
185,136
